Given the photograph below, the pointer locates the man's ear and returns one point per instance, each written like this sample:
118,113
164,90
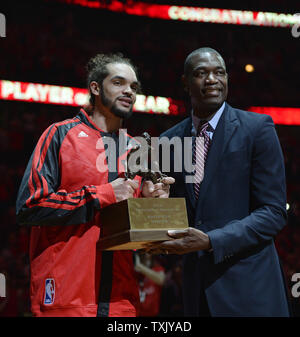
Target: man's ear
95,88
185,84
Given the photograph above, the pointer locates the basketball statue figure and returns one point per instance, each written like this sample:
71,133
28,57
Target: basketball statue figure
132,170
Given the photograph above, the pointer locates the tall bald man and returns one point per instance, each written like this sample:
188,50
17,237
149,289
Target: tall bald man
230,264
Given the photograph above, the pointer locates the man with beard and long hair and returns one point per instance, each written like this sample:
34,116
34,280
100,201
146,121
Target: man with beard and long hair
67,182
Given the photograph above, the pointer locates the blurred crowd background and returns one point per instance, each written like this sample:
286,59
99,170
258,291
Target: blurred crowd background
50,42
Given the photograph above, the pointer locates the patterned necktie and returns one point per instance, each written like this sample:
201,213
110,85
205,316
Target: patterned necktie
200,151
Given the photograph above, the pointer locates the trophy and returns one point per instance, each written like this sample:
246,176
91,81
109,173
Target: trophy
132,223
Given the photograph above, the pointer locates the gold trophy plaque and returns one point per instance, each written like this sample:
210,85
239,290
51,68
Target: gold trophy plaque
132,223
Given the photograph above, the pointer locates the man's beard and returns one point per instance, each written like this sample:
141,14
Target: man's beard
114,109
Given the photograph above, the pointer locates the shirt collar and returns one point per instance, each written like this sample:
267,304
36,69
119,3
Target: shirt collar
213,122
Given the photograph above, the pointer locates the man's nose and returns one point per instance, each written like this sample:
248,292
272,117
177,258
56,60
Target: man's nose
128,91
211,78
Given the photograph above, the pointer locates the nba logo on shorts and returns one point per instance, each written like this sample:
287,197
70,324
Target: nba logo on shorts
49,291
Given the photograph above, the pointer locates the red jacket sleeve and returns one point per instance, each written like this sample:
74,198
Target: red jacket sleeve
40,202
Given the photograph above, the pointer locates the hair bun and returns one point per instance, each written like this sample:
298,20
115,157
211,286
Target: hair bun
92,64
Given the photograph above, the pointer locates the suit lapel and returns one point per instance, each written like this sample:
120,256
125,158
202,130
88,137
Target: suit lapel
223,133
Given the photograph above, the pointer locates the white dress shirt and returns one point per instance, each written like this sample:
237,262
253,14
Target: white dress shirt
213,122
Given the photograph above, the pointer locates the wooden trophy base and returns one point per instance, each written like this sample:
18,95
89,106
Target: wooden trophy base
131,224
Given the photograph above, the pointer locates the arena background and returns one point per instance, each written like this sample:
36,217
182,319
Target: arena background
50,42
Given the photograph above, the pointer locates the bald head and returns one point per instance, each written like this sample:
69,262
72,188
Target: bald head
205,80
200,52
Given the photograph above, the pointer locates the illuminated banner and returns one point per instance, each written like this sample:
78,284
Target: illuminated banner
284,116
54,94
42,93
195,14
235,17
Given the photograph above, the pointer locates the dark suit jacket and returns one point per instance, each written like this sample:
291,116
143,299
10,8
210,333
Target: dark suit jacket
241,206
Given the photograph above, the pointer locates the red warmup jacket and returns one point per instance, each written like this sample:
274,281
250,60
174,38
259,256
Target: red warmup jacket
64,188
